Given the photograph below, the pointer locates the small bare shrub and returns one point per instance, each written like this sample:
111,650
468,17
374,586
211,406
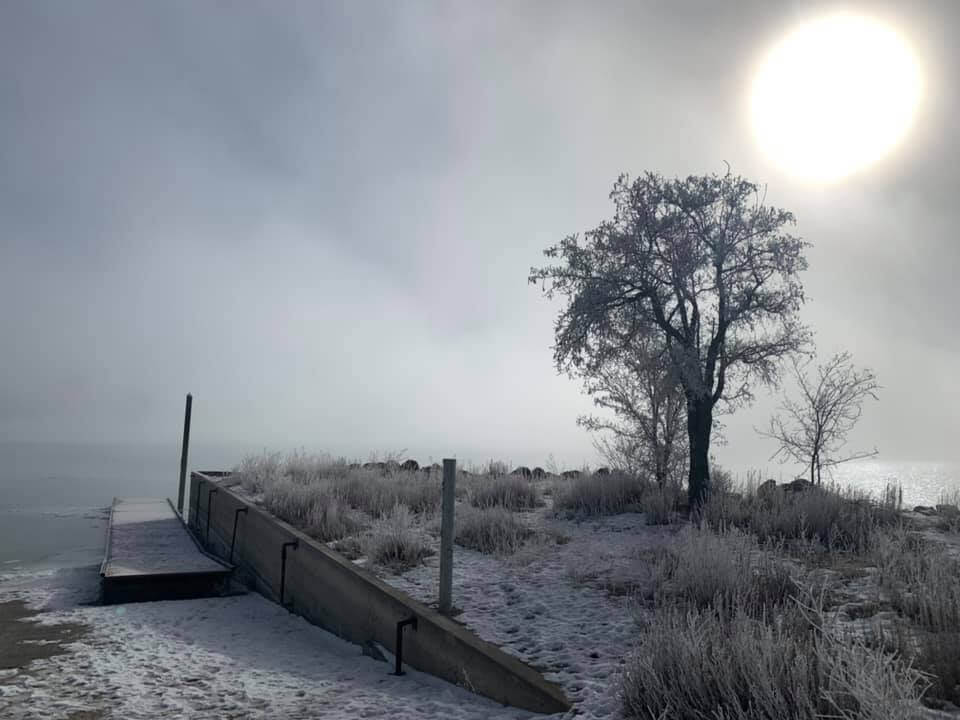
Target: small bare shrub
512,492
599,494
395,542
493,530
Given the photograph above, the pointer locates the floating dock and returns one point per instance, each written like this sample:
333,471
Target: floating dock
151,555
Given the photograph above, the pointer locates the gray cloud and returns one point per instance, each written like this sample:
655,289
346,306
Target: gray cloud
319,217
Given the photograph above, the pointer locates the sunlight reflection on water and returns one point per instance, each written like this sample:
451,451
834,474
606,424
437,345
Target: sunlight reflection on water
924,482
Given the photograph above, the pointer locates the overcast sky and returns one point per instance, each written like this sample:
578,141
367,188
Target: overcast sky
319,217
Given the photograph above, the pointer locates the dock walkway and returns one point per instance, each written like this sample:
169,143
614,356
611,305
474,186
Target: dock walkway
151,555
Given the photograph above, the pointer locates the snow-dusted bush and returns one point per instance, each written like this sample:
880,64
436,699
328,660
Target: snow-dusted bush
394,541
492,530
599,494
690,664
513,492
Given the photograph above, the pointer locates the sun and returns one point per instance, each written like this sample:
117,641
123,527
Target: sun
834,96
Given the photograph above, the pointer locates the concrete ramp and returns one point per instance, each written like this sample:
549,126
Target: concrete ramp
151,555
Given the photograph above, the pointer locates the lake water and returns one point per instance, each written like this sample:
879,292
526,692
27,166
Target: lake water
53,497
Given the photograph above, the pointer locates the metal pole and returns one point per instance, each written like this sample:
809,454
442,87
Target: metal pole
446,536
283,565
398,655
183,452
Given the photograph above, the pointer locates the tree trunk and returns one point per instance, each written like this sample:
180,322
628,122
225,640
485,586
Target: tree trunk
699,425
666,456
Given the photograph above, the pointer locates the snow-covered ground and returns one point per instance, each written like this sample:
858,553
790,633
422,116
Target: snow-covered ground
563,607
231,657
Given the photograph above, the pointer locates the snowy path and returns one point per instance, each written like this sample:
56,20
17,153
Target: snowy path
236,657
563,608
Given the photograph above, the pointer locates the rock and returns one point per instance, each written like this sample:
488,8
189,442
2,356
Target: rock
603,471
925,510
538,472
522,470
767,489
798,485
410,465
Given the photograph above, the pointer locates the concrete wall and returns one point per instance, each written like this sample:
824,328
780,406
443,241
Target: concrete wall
330,591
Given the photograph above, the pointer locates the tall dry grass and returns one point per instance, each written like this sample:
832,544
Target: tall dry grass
728,570
492,530
395,541
324,478
695,664
922,580
319,512
599,494
835,519
513,492
735,633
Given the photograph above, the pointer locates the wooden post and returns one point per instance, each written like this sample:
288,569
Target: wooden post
446,536
183,452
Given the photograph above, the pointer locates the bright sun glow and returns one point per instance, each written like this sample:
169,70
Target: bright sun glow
835,96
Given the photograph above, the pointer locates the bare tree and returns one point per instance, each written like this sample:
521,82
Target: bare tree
813,429
641,389
699,266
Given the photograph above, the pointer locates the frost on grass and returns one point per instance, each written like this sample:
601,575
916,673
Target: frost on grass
321,478
317,510
922,581
492,530
831,518
689,662
599,494
395,541
513,492
729,569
